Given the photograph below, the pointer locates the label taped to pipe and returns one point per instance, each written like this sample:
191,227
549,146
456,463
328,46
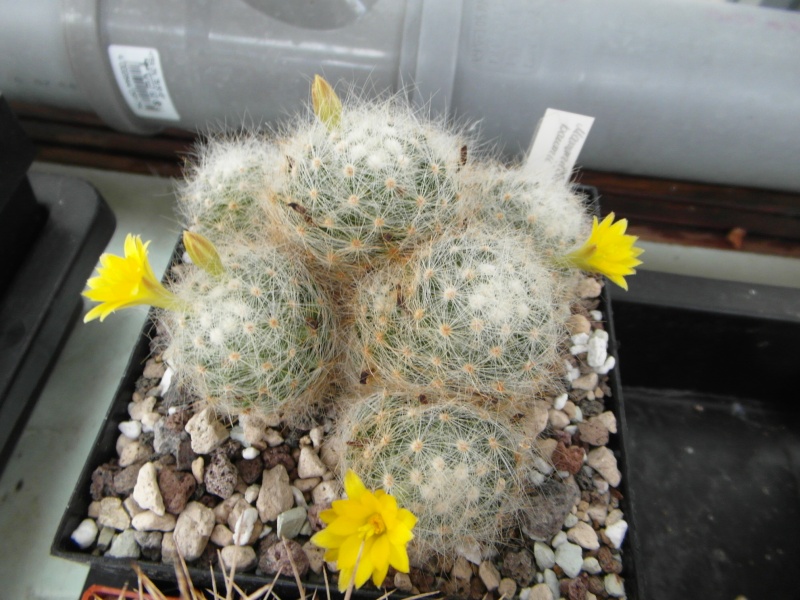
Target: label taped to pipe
558,141
141,81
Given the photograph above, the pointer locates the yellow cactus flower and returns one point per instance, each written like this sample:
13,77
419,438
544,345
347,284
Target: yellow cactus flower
608,251
203,253
365,534
327,105
127,281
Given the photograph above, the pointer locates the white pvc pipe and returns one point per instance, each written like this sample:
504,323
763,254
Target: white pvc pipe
679,88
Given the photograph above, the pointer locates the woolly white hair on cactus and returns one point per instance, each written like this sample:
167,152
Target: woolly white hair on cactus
258,337
462,470
472,312
226,185
551,214
370,184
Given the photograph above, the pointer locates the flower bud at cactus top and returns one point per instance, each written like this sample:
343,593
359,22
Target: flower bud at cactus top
260,337
550,213
474,313
226,185
458,468
378,182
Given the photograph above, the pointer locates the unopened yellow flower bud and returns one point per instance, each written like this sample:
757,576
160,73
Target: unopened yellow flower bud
203,253
327,105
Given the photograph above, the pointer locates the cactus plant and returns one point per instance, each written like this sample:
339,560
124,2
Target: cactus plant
552,216
472,312
463,471
367,184
226,185
257,337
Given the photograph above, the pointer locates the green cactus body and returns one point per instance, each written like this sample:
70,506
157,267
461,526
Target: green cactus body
460,469
226,186
553,217
474,313
258,338
370,187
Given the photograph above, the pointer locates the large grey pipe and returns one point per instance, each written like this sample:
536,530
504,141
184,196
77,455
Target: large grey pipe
679,88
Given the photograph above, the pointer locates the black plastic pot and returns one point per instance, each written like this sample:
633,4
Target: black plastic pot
104,451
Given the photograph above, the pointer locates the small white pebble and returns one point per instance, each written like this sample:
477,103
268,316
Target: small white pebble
251,493
614,585
609,364
131,429
250,453
560,401
558,539
570,521
299,499
597,348
616,533
172,410
580,339
591,565
149,421
85,534
572,372
596,315
237,435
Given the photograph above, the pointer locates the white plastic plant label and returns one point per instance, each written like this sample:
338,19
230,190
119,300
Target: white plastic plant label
558,141
141,81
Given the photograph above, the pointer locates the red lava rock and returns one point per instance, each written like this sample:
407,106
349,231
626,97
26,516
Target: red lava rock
103,482
125,480
568,458
576,588
176,489
221,476
185,456
279,455
519,567
422,580
595,585
250,470
274,559
607,561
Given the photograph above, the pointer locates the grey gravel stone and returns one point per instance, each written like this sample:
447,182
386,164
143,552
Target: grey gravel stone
124,546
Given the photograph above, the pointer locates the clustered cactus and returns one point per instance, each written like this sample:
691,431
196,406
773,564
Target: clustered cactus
256,336
468,312
444,281
462,469
368,188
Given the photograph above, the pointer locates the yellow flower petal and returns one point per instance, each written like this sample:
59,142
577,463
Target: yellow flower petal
380,559
608,251
366,533
344,527
348,552
127,281
345,575
365,565
327,539
353,486
398,558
